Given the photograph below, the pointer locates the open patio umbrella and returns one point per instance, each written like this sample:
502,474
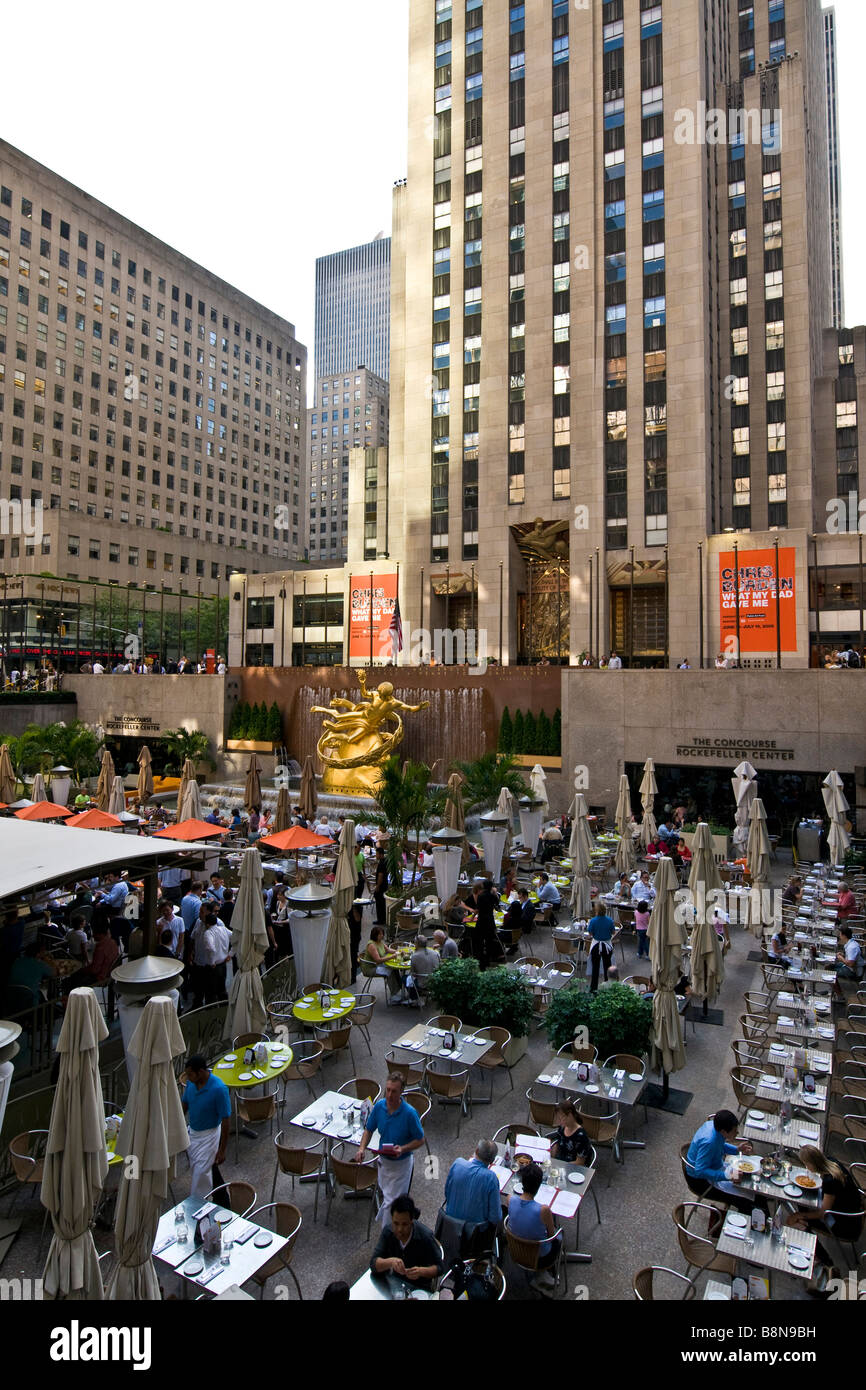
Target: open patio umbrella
626,859
708,970
38,791
187,775
455,818
667,937
307,799
295,838
76,1165
95,820
117,800
538,788
505,806
580,848
758,859
44,810
338,948
838,839
745,785
648,790
153,1132
190,830
250,943
190,808
8,784
106,779
282,815
144,786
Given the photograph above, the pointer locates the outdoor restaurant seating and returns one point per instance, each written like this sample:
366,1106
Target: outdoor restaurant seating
448,1083
297,1160
526,1253
357,1177
646,1281
287,1222
239,1197
698,1249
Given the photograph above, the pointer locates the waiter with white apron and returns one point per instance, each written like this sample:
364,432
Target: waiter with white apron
400,1133
207,1103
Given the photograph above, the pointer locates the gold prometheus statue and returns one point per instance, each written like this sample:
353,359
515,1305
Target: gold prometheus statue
354,744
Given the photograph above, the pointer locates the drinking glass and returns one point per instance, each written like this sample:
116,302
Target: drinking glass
226,1252
182,1233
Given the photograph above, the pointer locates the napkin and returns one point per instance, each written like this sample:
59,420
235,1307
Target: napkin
756,1124
211,1275
734,1233
808,1131
771,1082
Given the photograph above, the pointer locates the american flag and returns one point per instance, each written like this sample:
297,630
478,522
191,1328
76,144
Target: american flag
395,627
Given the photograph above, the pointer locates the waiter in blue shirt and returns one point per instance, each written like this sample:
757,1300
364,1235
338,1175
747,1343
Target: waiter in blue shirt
207,1103
400,1134
601,929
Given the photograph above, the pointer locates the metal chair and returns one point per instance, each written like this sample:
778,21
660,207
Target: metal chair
643,1284
335,1040
449,1085
298,1161
362,1015
699,1187
603,1132
578,1054
526,1254
254,1110
447,1021
413,1073
507,1134
542,1108
239,1197
361,1088
306,1060
495,1057
288,1221
368,969
627,1062
700,1250
423,1105
357,1177
249,1040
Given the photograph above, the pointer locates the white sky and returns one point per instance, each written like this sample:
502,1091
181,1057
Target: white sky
255,138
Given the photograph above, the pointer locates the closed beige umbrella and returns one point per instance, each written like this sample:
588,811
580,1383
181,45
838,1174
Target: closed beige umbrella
153,1133
758,859
538,788
187,775
708,969
282,815
838,839
338,949
117,799
249,943
667,937
454,815
144,787
106,780
648,791
626,860
505,807
307,798
8,784
745,785
76,1165
580,848
191,808
37,791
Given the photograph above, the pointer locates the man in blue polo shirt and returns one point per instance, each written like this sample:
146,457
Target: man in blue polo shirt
400,1133
601,929
207,1103
706,1157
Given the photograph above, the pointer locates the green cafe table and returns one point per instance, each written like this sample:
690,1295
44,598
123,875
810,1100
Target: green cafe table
308,1009
238,1074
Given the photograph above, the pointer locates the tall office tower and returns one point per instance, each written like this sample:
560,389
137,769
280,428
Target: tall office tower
353,297
152,412
611,277
838,306
350,412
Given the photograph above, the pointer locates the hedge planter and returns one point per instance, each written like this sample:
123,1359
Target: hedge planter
517,1048
721,845
553,764
249,745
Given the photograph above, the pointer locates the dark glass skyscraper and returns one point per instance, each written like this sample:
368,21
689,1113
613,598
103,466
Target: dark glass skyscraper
353,308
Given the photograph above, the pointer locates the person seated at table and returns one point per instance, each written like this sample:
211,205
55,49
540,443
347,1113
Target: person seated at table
214,817
407,1248
548,894
337,1292
528,1220
643,889
77,938
421,967
847,903
508,883
29,970
667,832
793,890
528,910
454,912
601,929
445,945
849,957
839,1194
377,951
778,949
105,957
571,1141
684,852
716,1137
655,847
472,1197
236,823
513,919
622,889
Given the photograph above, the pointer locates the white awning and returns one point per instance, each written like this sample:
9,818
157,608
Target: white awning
35,855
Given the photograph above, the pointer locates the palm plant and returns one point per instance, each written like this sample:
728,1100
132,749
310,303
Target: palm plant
485,777
186,743
42,746
405,802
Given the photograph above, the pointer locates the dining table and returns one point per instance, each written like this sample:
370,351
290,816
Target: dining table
780,1054
564,1188
252,1247
387,1288
764,1127
792,1184
793,1253
308,1008
622,1089
428,1042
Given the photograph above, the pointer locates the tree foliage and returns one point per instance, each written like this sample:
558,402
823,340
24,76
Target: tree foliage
406,803
181,744
485,777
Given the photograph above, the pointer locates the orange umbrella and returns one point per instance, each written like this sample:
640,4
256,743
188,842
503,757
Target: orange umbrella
191,830
95,820
43,810
296,838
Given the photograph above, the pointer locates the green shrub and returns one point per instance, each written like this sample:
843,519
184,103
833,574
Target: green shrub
568,1011
453,985
556,733
506,733
543,733
518,744
618,1019
275,724
502,999
530,733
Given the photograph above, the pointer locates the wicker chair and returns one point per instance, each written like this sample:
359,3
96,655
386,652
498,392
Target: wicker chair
700,1250
306,1060
357,1177
643,1284
287,1220
239,1197
413,1072
447,1085
495,1057
525,1254
298,1161
335,1040
542,1108
361,1088
362,1015
254,1110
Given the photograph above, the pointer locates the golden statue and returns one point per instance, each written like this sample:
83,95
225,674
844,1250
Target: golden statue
353,744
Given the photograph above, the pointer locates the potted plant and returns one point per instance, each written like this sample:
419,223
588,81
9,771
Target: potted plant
452,987
502,1000
568,1011
618,1019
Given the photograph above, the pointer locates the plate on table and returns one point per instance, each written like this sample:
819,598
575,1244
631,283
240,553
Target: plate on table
778,1048
779,1180
805,1183
444,1052
222,1218
591,1087
275,1047
737,1220
747,1165
194,1268
302,1005
577,1178
791,1190
230,1057
245,1076
263,1239
797,1260
635,1076
350,999
308,1124
345,1133
821,1067
544,1079
757,1115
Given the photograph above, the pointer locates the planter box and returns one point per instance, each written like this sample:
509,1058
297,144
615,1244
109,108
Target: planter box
249,745
721,846
516,1049
552,764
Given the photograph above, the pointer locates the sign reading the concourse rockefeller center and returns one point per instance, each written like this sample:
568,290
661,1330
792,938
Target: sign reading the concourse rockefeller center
735,749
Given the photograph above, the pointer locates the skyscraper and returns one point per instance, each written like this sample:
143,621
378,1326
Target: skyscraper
353,297
838,307
614,279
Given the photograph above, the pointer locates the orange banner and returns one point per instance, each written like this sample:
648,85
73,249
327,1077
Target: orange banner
756,570
384,595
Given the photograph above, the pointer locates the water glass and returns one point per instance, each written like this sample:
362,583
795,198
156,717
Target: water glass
182,1235
226,1252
